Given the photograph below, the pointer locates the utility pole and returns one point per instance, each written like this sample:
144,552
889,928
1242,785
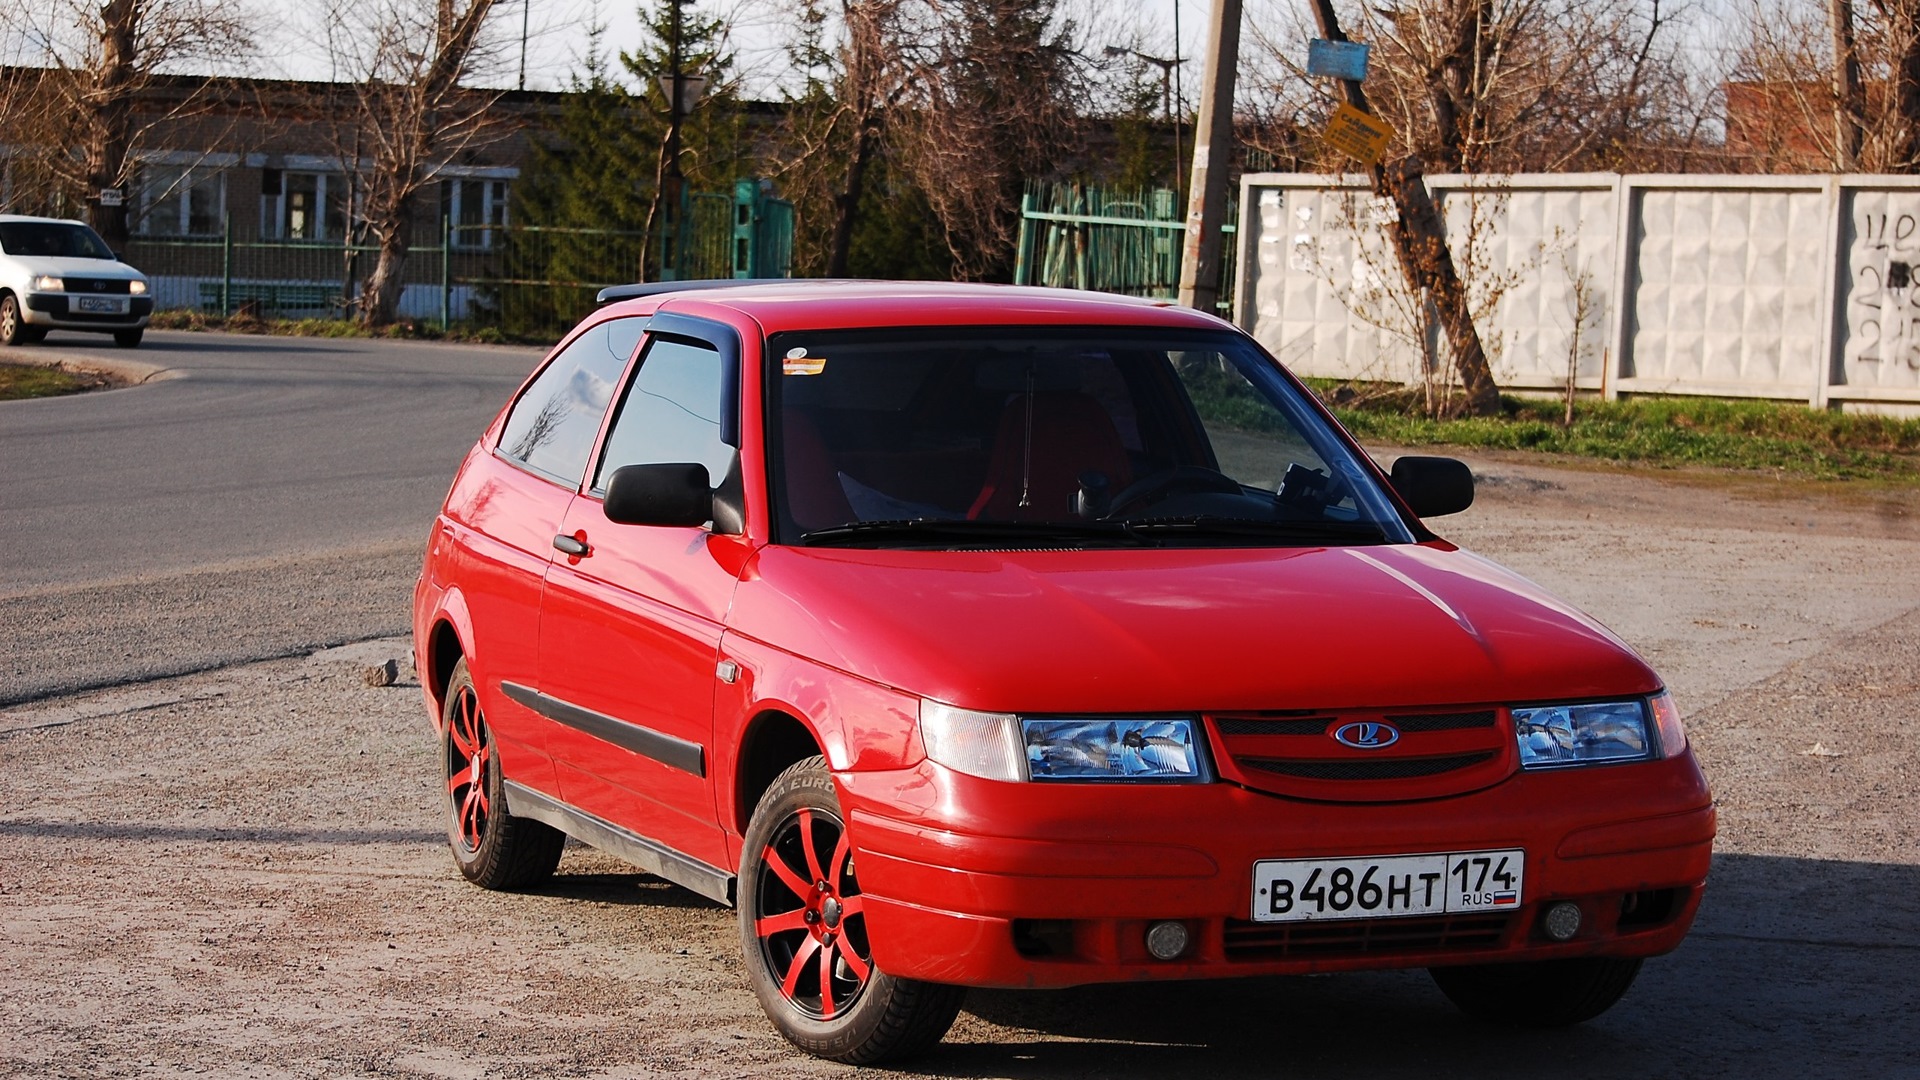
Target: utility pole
1420,242
1212,160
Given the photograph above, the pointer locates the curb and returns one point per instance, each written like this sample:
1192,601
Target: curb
130,372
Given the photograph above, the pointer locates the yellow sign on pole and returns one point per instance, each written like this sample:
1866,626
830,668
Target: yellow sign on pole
1357,134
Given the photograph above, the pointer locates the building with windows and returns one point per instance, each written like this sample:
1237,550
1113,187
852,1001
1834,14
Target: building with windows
251,191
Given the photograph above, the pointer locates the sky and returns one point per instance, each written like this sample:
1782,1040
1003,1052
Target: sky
557,37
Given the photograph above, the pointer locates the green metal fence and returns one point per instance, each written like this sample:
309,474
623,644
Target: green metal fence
1078,237
522,279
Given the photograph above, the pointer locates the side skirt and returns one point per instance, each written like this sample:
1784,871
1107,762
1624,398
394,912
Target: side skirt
649,855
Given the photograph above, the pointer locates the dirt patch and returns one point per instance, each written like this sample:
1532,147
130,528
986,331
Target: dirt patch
242,873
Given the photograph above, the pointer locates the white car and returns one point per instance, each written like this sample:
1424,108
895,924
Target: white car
59,275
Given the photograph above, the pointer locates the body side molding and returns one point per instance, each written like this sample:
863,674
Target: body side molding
649,855
663,748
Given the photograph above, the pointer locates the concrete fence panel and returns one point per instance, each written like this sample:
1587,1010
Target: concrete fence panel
1787,287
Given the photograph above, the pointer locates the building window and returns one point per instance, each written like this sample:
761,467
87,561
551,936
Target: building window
178,201
304,205
478,207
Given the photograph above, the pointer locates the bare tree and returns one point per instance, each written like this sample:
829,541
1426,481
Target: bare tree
89,102
1784,115
1511,85
1004,104
409,62
865,61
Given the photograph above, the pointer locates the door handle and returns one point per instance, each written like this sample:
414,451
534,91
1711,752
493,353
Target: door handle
579,549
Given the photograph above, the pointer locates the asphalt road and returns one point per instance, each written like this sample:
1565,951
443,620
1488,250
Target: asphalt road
139,526
240,872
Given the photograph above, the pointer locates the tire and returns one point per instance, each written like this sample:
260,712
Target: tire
129,339
792,929
1541,994
13,328
493,849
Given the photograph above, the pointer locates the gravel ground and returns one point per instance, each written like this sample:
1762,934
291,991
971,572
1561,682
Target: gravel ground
241,872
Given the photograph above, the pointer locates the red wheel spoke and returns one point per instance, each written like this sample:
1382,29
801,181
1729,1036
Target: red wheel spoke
800,957
459,777
806,845
851,906
781,870
768,925
826,982
463,740
859,966
838,864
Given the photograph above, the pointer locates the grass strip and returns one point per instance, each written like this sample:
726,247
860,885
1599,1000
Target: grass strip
1761,436
338,328
18,381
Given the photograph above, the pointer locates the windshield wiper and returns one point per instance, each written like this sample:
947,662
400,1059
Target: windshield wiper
973,533
1210,526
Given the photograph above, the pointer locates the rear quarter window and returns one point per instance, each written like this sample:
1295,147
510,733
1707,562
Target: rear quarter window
552,427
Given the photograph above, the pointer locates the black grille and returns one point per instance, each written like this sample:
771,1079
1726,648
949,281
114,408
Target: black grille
1365,768
1443,721
1243,725
1360,937
114,286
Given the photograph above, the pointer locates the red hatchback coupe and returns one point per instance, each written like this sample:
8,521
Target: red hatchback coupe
981,636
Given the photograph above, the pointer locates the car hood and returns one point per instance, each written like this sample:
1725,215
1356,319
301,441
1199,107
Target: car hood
1182,630
84,268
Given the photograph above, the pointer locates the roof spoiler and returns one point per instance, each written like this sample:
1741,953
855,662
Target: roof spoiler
658,288
661,287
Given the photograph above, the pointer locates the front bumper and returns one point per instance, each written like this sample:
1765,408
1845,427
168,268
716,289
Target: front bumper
57,310
980,883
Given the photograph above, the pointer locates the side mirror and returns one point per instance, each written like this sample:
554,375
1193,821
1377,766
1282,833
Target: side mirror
1433,486
676,494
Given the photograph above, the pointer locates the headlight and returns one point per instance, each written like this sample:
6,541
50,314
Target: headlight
1101,748
137,287
1003,746
1592,734
47,283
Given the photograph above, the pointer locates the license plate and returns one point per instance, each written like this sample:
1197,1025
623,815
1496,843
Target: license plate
1375,887
101,305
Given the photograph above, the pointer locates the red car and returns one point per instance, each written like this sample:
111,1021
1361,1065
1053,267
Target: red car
981,636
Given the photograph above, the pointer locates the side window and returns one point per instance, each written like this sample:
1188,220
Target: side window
551,428
671,413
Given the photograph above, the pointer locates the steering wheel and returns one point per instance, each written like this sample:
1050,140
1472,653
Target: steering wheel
1156,487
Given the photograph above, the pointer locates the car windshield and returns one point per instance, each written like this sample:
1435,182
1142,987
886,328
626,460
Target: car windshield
1043,437
58,239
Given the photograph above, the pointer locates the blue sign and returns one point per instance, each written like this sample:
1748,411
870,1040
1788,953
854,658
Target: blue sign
1337,59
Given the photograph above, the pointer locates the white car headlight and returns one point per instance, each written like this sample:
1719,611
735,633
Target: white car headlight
137,287
1003,746
47,283
1594,733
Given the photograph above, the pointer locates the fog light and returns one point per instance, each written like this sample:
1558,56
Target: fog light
1167,939
1562,921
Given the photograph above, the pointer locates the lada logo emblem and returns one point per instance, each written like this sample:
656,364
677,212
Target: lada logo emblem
1366,735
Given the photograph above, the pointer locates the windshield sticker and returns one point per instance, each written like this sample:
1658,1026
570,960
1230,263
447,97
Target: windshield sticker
797,362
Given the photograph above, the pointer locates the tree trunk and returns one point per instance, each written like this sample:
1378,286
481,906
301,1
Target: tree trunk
108,108
846,205
380,299
1903,32
1420,242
